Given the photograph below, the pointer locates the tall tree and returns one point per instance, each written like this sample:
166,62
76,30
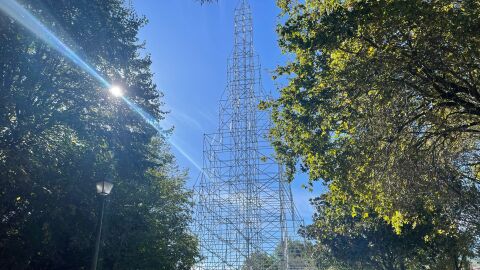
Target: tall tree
60,132
382,104
349,240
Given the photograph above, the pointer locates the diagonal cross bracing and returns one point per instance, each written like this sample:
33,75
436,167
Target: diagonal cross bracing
244,214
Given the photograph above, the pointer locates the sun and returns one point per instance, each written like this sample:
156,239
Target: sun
116,91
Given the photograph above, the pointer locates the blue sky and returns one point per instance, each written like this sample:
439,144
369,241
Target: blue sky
189,45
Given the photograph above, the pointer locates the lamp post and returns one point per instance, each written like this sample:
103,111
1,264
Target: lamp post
103,189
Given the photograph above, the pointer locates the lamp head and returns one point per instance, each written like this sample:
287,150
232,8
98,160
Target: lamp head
104,188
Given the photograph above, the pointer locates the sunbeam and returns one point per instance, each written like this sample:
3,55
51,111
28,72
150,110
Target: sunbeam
187,156
27,20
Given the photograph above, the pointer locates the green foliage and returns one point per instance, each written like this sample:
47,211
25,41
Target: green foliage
60,132
346,241
299,253
260,260
383,105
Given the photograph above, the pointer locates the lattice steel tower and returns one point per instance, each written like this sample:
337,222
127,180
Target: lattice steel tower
244,215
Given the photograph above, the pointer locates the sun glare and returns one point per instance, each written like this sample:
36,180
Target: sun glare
116,91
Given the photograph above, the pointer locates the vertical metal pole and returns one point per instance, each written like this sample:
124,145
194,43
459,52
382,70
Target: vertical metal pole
99,236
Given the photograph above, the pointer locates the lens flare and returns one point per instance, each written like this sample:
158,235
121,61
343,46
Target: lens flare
187,156
30,22
116,91
27,20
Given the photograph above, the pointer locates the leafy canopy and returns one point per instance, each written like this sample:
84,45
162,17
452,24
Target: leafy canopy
382,104
60,133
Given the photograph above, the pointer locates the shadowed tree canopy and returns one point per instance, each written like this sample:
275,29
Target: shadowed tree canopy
348,241
60,132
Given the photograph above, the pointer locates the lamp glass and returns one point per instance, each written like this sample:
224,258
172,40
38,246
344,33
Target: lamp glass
104,187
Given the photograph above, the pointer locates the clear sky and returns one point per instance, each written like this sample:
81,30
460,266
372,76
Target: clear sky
189,45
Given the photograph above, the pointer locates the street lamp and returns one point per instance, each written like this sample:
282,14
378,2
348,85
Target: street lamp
103,188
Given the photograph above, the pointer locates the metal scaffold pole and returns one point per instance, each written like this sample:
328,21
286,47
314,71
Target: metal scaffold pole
244,214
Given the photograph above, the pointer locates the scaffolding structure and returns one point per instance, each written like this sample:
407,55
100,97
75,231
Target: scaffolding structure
245,217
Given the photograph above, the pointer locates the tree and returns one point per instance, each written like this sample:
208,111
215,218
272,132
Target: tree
299,257
60,132
260,260
382,105
346,241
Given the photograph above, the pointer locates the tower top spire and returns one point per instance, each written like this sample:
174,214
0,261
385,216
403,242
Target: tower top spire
243,30
243,4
